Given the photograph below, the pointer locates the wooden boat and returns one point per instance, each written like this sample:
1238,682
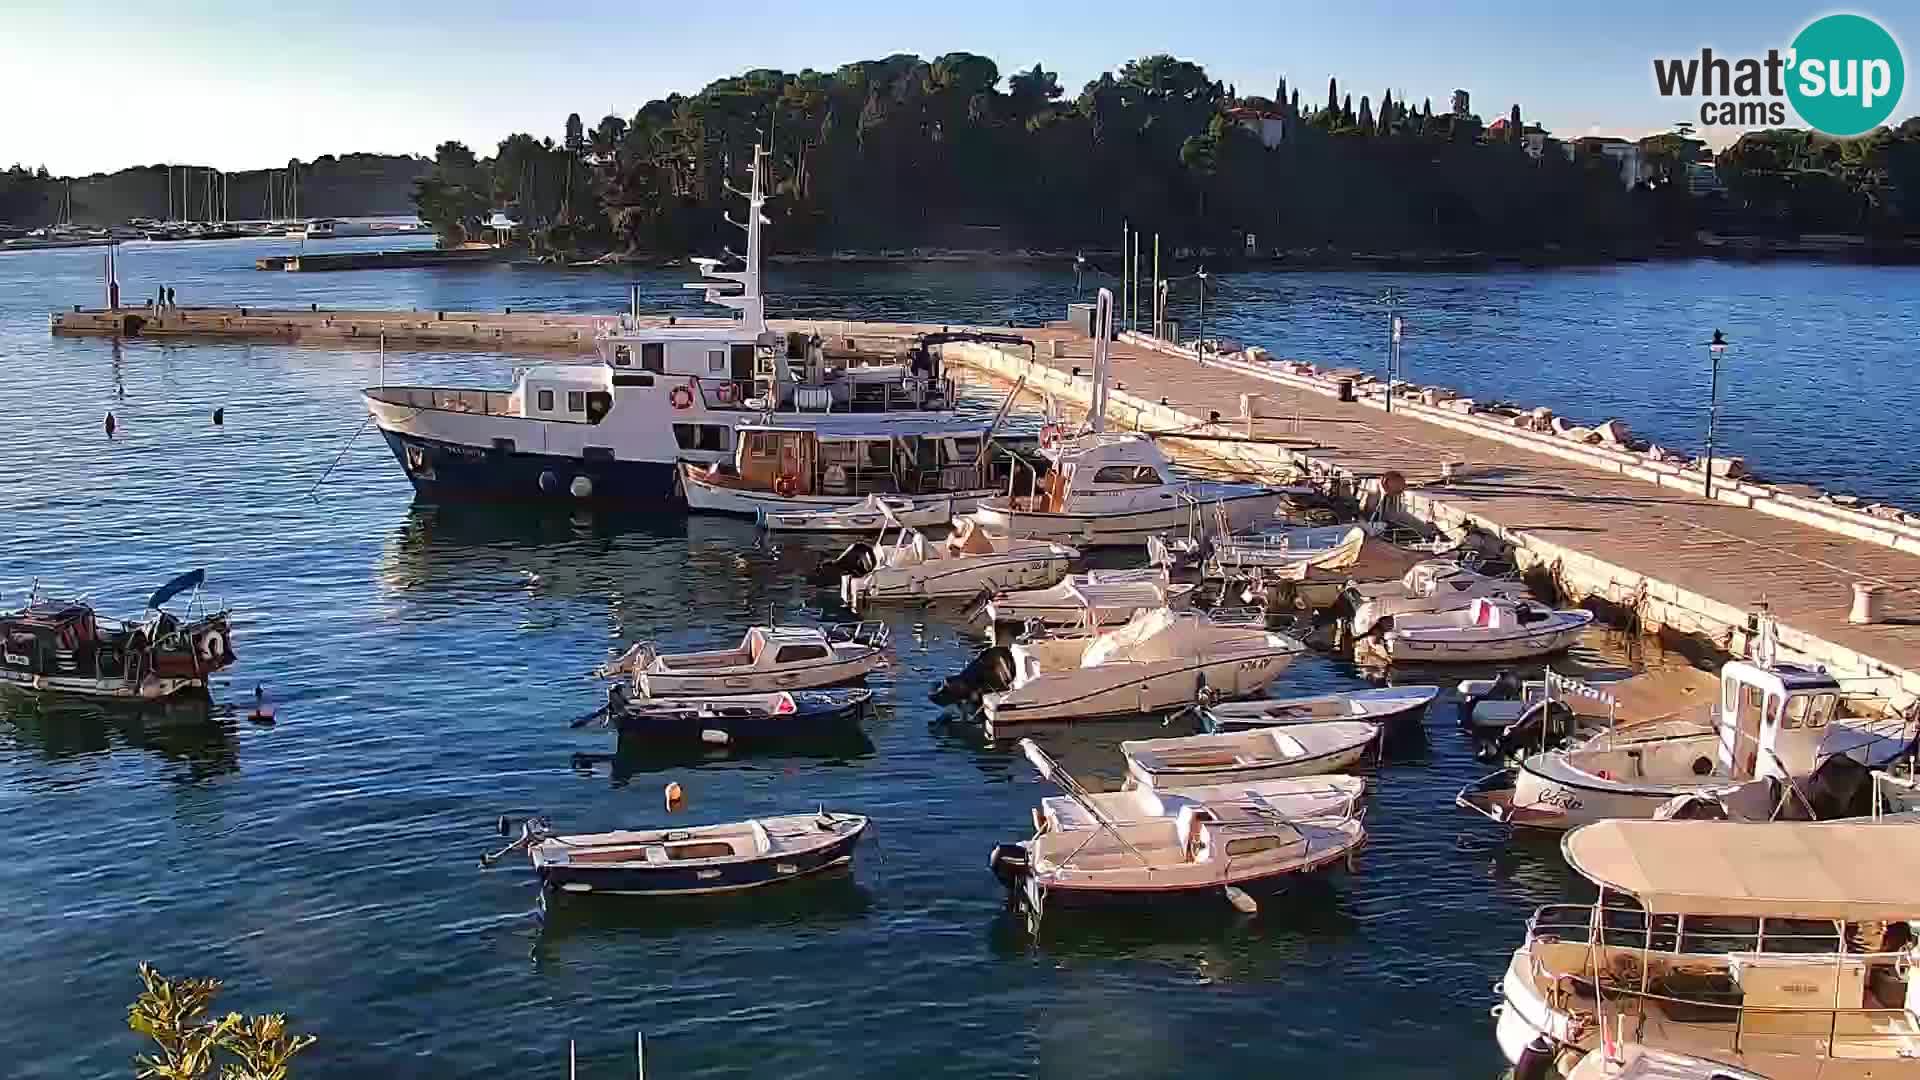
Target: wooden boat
1385,706
1118,490
1204,850
63,646
1106,597
731,719
695,861
965,564
869,515
768,658
1319,580
1487,630
1240,756
1290,797
1157,661
1782,950
1432,585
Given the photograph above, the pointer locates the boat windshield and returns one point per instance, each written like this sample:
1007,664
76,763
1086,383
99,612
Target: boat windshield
1809,710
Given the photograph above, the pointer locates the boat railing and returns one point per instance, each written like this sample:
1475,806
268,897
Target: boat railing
440,399
870,632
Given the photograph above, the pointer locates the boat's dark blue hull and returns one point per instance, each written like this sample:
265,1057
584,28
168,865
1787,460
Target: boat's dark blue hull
443,472
816,713
670,880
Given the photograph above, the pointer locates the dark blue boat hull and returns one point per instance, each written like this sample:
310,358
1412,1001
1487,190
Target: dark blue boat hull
672,880
817,713
443,472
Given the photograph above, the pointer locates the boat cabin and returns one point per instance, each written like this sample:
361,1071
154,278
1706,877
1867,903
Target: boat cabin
1102,472
51,637
814,461
1773,720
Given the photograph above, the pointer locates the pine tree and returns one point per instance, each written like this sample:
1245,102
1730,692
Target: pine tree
1366,114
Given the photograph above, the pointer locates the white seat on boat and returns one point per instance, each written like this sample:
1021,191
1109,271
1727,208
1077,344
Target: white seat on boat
762,843
656,853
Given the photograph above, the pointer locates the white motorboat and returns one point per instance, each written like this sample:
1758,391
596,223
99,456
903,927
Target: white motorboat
1781,950
768,658
1106,597
1386,706
689,861
922,465
1289,797
1235,757
1319,579
1431,586
1222,849
1773,724
1118,490
967,563
869,515
1274,547
1158,661
1487,629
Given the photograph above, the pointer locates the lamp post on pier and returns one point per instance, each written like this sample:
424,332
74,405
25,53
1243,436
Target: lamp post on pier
1716,348
1200,343
1392,300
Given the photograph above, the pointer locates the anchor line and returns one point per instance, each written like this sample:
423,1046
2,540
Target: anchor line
337,457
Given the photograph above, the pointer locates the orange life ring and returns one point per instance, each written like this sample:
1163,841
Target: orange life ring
681,397
1050,436
1604,774
786,485
726,393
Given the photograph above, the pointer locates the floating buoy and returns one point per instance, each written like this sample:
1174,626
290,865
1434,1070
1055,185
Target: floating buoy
262,711
581,487
109,425
1240,900
219,417
675,797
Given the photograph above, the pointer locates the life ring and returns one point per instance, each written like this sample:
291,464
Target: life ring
681,397
1604,774
1050,436
211,646
786,485
726,392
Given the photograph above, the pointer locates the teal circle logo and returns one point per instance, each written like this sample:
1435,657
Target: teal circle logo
1847,75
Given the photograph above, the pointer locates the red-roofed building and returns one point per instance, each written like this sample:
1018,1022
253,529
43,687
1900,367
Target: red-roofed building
1269,124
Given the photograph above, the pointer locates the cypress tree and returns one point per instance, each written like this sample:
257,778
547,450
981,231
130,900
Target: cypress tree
1346,111
1386,113
1333,96
1280,94
1513,127
1366,114
1293,106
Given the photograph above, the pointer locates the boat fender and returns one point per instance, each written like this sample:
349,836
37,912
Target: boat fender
682,398
1603,774
1050,436
714,737
581,487
211,646
549,483
1009,864
1535,1060
786,485
676,798
725,392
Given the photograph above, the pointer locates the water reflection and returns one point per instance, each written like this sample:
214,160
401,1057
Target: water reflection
816,902
189,731
635,757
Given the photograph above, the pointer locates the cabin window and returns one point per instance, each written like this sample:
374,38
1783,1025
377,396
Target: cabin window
1819,708
1711,934
1627,927
1799,936
505,445
653,357
879,454
1252,845
544,401
1127,474
716,361
576,401
790,654
700,436
599,404
622,356
763,447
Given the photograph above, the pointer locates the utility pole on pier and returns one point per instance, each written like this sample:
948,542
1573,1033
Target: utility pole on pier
1716,349
1394,327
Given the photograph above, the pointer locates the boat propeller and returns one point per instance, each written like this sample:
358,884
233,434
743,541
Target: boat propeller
533,829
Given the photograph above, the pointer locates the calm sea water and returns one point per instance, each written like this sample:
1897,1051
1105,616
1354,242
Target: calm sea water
425,665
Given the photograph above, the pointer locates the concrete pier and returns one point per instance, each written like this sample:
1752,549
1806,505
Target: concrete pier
1603,523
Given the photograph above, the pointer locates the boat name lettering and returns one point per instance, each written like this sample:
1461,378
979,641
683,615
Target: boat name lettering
1561,798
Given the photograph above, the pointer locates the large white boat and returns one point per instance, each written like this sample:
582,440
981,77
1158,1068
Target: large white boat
1117,489
1786,950
1773,723
662,391
1158,661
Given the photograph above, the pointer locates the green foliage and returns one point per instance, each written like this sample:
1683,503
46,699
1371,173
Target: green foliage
174,1014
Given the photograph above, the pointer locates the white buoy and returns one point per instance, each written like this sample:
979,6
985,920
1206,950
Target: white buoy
1240,900
714,738
581,487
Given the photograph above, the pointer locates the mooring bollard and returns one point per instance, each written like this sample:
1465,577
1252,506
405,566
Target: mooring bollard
1869,604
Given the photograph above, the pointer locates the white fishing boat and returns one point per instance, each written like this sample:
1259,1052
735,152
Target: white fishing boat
924,464
1224,850
1290,797
686,861
1158,661
1488,629
1429,587
869,515
768,658
1107,597
661,391
1320,578
1278,546
967,563
1386,706
1237,757
1784,950
1773,724
1118,490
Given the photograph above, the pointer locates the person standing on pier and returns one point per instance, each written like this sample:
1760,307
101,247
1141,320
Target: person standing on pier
170,304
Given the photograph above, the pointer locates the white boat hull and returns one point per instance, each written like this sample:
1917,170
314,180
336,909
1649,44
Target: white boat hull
677,684
1026,607
1469,645
1126,528
152,689
823,513
964,577
1275,769
1130,689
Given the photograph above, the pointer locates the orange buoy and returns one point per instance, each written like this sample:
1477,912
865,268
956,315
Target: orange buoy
675,797
262,711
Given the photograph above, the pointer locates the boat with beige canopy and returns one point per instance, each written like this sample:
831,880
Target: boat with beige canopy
1782,949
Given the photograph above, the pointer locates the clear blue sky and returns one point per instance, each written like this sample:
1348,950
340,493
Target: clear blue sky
97,86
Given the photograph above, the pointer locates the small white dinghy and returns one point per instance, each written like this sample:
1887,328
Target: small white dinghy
1384,706
768,658
967,563
1219,850
1242,756
1488,629
1107,597
1290,797
871,515
1430,586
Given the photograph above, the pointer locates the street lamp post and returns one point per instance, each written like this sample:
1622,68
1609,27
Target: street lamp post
1716,348
1200,343
1392,300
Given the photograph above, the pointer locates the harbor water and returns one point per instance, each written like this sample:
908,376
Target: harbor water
425,664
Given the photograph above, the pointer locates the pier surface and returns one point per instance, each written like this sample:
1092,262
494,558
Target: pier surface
1641,537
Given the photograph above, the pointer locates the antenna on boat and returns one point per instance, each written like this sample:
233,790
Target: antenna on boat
1102,348
1051,770
741,288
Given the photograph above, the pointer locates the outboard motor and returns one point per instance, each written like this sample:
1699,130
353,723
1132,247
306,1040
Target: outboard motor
1543,726
1506,687
1840,787
1010,865
989,672
857,561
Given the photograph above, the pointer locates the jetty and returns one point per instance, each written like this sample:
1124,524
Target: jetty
1630,531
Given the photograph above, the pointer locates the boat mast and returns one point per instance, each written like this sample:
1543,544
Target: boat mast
742,289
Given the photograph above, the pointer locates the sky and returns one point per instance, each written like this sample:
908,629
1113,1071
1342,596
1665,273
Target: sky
98,86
